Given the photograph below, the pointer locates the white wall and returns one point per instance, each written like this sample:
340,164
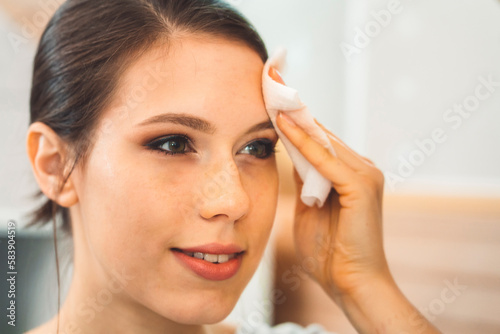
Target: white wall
424,62
397,86
311,31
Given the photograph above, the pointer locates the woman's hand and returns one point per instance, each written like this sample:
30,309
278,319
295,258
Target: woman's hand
340,244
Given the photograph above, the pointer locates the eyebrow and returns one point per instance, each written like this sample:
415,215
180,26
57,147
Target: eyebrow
260,126
197,123
182,119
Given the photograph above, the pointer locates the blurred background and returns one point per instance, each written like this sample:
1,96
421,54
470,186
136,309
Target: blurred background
413,85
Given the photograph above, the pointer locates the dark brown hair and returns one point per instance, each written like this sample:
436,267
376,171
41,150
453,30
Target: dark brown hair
85,47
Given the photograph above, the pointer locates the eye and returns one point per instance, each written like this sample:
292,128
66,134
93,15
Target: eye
261,149
171,145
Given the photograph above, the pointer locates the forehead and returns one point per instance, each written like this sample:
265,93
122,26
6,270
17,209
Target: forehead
197,75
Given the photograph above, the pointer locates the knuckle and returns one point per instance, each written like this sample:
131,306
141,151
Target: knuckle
323,157
374,180
302,141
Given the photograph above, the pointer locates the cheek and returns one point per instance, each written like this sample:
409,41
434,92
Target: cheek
135,209
130,208
262,185
262,188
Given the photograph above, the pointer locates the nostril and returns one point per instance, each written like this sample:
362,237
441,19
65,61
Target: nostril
223,196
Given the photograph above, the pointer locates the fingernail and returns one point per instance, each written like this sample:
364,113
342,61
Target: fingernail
275,75
287,119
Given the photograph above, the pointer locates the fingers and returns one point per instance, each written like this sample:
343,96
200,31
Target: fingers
351,157
341,170
331,167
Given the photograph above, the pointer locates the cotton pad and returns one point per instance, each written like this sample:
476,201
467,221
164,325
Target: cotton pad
278,97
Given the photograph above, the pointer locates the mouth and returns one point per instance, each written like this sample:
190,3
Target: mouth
212,258
212,262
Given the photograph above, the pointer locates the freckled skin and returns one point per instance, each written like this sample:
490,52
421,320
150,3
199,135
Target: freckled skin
134,204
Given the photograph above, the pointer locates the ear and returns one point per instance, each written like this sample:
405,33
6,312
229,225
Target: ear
47,155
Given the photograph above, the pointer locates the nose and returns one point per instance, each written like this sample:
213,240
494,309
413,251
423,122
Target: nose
222,194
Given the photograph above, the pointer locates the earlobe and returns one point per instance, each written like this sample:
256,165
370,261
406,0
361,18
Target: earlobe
47,157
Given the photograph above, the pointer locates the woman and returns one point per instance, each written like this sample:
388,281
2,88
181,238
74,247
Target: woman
150,137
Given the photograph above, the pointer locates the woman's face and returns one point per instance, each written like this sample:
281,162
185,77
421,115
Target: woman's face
182,164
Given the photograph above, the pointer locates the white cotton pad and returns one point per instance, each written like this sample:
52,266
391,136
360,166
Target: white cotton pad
280,97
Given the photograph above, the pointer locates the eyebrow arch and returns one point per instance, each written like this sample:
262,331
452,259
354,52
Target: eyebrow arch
198,123
182,119
260,126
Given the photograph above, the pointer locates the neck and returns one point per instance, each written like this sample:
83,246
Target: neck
90,308
97,302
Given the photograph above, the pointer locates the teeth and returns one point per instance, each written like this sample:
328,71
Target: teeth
223,258
213,258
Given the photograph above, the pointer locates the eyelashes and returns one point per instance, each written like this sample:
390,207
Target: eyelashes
172,145
180,144
260,148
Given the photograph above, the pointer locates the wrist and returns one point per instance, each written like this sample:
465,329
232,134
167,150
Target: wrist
379,306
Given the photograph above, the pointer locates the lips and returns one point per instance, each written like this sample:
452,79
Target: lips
214,262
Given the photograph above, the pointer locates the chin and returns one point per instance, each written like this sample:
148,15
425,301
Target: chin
195,307
206,315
